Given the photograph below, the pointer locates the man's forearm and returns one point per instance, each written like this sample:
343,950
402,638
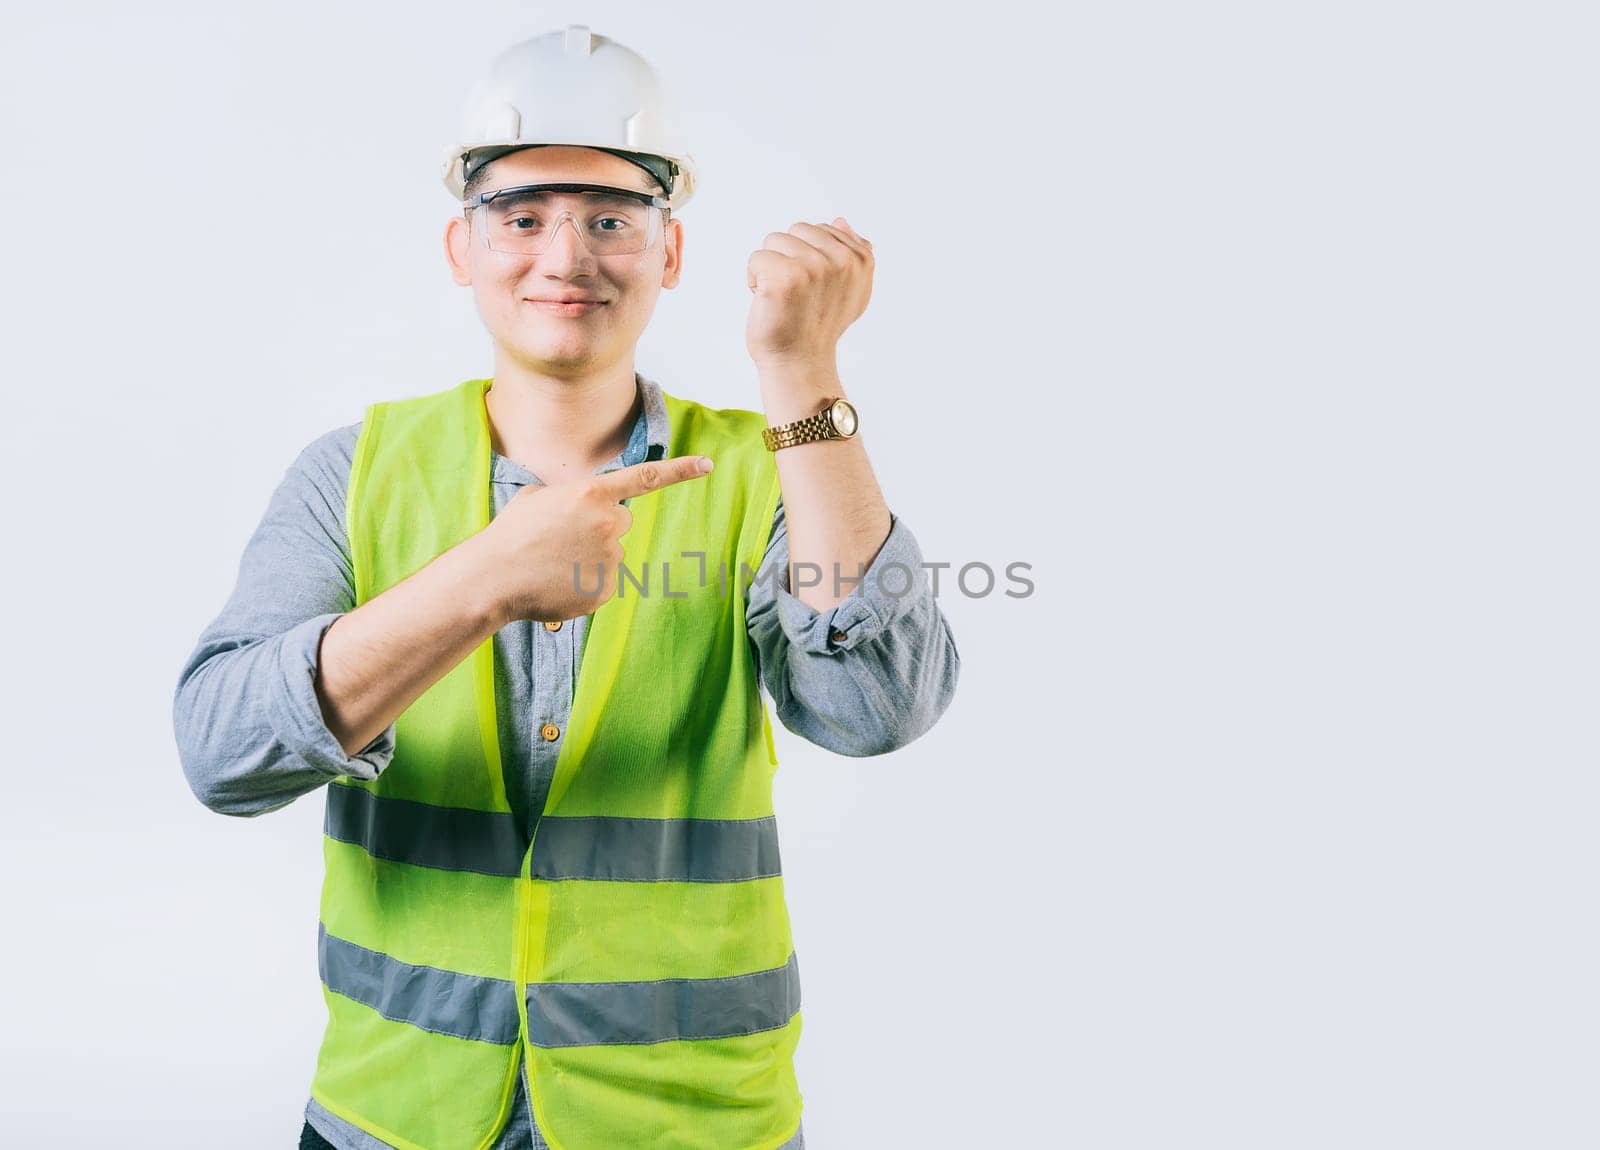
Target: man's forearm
838,519
377,660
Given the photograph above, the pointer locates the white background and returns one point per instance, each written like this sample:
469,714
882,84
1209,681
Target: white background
1264,332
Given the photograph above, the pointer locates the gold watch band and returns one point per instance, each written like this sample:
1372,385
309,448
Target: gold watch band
808,430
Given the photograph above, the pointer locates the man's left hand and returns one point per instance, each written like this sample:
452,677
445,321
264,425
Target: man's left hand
810,283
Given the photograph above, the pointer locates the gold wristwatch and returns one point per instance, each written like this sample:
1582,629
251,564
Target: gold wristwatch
836,420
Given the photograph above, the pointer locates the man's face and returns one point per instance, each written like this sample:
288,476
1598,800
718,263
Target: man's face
507,287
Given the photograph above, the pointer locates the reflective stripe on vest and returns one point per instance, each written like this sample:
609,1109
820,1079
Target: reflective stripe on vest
586,847
461,1005
636,954
560,1013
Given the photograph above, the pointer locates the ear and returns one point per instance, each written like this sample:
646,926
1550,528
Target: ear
672,238
457,241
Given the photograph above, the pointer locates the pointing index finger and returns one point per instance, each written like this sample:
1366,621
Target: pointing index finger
626,482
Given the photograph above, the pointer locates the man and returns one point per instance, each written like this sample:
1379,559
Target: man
504,627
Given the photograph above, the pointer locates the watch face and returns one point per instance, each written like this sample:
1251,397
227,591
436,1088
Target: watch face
844,416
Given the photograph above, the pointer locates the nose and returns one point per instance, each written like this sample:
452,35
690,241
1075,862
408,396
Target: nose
566,246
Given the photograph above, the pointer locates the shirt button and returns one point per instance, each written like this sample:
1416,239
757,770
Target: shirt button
838,636
551,732
552,626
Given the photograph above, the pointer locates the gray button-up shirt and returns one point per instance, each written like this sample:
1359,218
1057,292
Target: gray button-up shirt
863,678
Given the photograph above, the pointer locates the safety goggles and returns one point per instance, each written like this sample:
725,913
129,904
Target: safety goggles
610,221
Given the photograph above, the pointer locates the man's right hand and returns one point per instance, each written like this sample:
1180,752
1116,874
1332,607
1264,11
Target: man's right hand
529,552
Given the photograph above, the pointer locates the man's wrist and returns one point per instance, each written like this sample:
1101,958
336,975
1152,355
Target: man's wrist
474,566
792,389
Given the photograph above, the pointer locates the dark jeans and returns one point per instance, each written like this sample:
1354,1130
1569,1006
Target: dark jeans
311,1140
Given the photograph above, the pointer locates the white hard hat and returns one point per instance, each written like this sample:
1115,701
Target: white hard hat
572,87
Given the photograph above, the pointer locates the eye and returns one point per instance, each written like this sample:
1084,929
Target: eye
603,220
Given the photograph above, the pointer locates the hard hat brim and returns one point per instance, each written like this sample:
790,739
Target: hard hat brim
454,172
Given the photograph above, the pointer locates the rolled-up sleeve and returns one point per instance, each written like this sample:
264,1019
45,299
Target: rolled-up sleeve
868,675
250,730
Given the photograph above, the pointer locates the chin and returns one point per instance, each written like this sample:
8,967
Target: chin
555,354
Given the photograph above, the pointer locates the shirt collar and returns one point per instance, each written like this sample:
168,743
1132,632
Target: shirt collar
650,432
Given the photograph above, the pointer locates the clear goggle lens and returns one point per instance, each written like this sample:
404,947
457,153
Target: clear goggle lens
524,221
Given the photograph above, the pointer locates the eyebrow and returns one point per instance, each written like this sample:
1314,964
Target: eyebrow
517,192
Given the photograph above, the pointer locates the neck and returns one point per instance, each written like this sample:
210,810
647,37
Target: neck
561,427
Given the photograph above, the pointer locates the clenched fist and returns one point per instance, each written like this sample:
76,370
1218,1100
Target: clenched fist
530,550
810,283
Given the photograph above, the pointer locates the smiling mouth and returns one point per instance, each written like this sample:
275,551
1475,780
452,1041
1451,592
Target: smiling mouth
568,307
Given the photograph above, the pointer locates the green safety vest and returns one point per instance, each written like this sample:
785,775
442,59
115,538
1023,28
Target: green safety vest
637,952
